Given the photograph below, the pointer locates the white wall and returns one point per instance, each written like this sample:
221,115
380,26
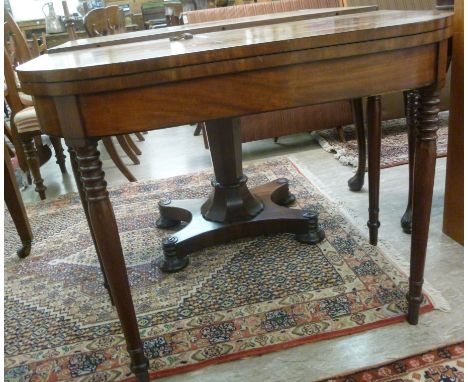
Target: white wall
32,9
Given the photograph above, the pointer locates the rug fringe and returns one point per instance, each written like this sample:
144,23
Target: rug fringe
340,153
394,256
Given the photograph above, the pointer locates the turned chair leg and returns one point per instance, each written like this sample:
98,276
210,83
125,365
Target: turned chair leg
356,182
412,100
32,158
57,144
374,130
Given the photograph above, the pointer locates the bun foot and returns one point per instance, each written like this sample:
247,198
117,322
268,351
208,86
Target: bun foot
406,221
24,250
315,234
172,262
289,200
356,182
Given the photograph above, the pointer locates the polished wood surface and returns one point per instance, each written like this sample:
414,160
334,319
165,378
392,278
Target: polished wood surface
84,96
454,194
126,59
206,27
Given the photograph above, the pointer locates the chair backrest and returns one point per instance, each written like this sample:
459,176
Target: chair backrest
12,96
104,21
14,40
254,9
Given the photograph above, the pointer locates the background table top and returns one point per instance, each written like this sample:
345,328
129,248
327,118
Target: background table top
142,56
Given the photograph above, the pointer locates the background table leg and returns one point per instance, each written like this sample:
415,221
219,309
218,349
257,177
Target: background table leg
374,131
412,115
107,239
424,171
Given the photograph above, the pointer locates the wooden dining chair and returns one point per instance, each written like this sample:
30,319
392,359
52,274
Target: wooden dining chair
25,125
98,22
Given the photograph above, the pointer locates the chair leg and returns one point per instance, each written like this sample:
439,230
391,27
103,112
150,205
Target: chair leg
140,137
357,181
132,145
34,165
341,134
205,136
109,145
16,207
59,154
123,143
198,129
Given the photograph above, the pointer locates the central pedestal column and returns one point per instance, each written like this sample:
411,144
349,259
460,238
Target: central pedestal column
232,211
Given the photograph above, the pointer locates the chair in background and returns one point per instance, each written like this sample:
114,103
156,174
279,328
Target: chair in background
154,14
25,124
101,22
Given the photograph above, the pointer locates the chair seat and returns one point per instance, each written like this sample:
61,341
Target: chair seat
26,99
26,121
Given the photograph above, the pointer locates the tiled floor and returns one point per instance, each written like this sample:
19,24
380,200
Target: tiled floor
176,151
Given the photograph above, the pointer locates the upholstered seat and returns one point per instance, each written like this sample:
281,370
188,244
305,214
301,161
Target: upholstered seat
26,121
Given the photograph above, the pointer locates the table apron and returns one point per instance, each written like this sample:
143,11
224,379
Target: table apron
238,94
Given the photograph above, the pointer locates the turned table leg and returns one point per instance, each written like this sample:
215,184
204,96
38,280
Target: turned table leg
374,118
424,171
79,186
357,181
412,115
106,234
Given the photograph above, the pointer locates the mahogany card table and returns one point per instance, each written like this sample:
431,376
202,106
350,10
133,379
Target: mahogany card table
215,73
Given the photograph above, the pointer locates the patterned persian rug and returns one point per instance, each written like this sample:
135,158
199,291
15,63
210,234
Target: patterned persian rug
247,297
394,142
445,364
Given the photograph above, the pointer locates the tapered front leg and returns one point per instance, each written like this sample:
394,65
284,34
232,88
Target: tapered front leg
424,171
374,130
412,115
106,234
79,186
357,181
